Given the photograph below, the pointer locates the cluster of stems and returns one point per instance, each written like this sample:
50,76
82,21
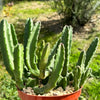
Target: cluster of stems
29,65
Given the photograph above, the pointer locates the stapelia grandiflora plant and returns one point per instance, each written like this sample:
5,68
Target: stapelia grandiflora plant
30,66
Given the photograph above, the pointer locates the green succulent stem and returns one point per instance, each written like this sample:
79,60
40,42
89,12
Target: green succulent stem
18,65
91,50
67,41
7,46
44,60
52,82
81,73
31,37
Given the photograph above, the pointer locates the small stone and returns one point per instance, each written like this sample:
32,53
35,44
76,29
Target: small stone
59,89
29,88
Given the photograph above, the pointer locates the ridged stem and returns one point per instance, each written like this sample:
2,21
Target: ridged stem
7,46
52,82
30,47
18,65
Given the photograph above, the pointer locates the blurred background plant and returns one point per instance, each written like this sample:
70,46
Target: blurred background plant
76,12
1,5
8,1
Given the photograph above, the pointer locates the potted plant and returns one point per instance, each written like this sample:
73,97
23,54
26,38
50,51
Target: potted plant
42,68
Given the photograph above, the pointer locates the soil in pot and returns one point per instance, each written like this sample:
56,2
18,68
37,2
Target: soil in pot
56,92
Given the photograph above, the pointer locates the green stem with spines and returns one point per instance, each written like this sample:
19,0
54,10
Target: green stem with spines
49,68
67,41
52,82
18,65
14,37
10,39
84,77
28,31
81,60
6,46
30,47
40,51
44,60
77,77
51,59
90,52
53,51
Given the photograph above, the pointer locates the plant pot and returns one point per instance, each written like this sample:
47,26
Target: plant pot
73,96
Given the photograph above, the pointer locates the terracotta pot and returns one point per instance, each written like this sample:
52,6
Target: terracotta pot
72,96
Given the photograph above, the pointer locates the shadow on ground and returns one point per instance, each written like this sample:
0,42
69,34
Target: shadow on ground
48,28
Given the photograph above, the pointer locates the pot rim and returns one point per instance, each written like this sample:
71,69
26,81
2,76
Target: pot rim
50,96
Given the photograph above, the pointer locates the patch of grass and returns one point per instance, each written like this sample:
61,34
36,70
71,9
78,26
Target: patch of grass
95,65
24,10
91,89
26,13
8,89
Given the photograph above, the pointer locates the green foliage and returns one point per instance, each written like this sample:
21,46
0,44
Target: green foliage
44,64
92,89
8,90
76,11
